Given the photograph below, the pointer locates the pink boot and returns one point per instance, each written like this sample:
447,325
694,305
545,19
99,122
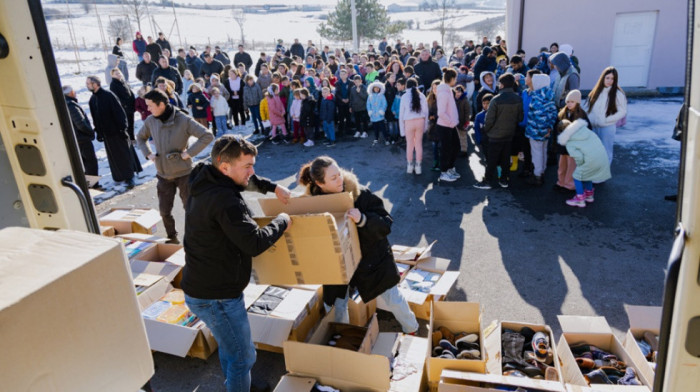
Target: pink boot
589,196
577,201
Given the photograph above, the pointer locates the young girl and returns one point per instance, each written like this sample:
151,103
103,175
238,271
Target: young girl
234,85
572,112
591,159
219,110
464,110
265,77
295,113
390,92
140,103
376,276
413,121
541,116
265,113
276,109
198,104
309,116
187,80
252,95
607,104
376,107
432,123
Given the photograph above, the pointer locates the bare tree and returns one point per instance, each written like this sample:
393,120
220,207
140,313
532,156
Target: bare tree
86,6
137,9
239,17
119,28
444,10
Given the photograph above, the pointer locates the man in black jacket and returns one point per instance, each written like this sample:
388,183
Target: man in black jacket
243,57
163,42
84,133
210,67
153,48
427,70
145,69
502,118
297,49
221,238
167,71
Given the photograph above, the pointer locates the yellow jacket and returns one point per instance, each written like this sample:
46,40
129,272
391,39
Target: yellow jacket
264,111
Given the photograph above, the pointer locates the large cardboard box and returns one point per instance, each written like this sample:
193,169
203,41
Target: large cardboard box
69,320
457,317
642,319
131,220
420,301
293,319
321,247
195,341
597,332
359,311
352,371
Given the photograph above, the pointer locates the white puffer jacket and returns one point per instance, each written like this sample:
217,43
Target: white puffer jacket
597,115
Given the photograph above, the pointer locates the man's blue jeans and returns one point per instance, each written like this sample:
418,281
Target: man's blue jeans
228,321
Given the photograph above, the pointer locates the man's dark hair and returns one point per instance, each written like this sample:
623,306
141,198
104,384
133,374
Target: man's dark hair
531,72
180,50
229,148
207,55
520,52
157,97
448,74
507,80
516,59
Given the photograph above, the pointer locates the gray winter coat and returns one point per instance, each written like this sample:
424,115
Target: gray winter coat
252,95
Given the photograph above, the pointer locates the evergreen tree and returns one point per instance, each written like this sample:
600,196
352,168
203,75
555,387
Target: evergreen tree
372,22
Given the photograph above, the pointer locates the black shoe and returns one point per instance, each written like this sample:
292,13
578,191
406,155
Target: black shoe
173,240
503,183
257,132
99,187
482,185
130,184
667,197
535,180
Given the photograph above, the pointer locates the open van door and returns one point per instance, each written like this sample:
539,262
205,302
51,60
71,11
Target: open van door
678,364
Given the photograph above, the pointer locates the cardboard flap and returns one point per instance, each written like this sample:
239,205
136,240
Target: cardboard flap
177,258
584,324
412,253
644,317
334,203
293,304
465,314
434,264
606,388
313,360
445,283
165,269
492,347
143,237
170,338
540,385
252,292
290,383
148,218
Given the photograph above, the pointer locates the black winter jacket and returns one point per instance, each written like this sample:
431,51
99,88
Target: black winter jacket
144,71
216,67
170,73
504,114
81,125
309,113
427,71
221,237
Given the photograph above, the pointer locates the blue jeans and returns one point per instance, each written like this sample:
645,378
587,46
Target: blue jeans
228,321
394,300
329,129
582,186
607,136
393,127
221,126
255,116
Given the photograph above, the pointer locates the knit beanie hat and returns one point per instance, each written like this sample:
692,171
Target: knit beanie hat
561,61
540,81
574,95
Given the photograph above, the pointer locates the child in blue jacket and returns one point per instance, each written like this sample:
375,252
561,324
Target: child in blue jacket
327,115
479,138
376,107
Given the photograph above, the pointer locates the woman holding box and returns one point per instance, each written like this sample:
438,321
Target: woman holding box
376,275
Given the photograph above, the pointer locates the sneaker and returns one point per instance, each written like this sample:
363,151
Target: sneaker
309,143
254,133
173,240
285,140
386,143
375,142
577,201
331,144
357,134
482,185
453,172
393,142
445,176
588,195
503,183
364,135
274,140
418,169
409,168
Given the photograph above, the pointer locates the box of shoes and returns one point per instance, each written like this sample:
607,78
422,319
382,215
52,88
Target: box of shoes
173,329
131,220
642,339
424,282
519,355
457,342
592,358
351,370
69,320
277,314
321,247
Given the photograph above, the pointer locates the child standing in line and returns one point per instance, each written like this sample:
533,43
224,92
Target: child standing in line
541,116
358,106
396,105
140,103
479,138
252,95
308,117
465,112
592,164
376,107
265,112
198,103
276,109
327,115
295,113
219,110
390,93
572,112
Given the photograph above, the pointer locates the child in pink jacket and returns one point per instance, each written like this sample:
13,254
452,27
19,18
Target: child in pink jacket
276,109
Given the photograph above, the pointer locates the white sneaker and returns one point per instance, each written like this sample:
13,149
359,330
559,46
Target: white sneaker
446,176
418,168
409,168
386,143
357,134
309,143
364,135
453,173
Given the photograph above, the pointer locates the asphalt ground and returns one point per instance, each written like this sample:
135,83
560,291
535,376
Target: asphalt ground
522,253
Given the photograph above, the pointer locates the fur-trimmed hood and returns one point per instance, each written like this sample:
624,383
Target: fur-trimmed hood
570,130
372,85
350,184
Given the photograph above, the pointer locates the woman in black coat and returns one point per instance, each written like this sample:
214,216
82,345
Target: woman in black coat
128,101
117,49
376,275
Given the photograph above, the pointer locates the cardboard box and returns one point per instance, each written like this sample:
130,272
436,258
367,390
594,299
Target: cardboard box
133,248
321,247
412,254
457,317
196,341
418,301
107,231
131,220
143,237
642,319
465,381
360,312
69,320
353,371
293,319
597,332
